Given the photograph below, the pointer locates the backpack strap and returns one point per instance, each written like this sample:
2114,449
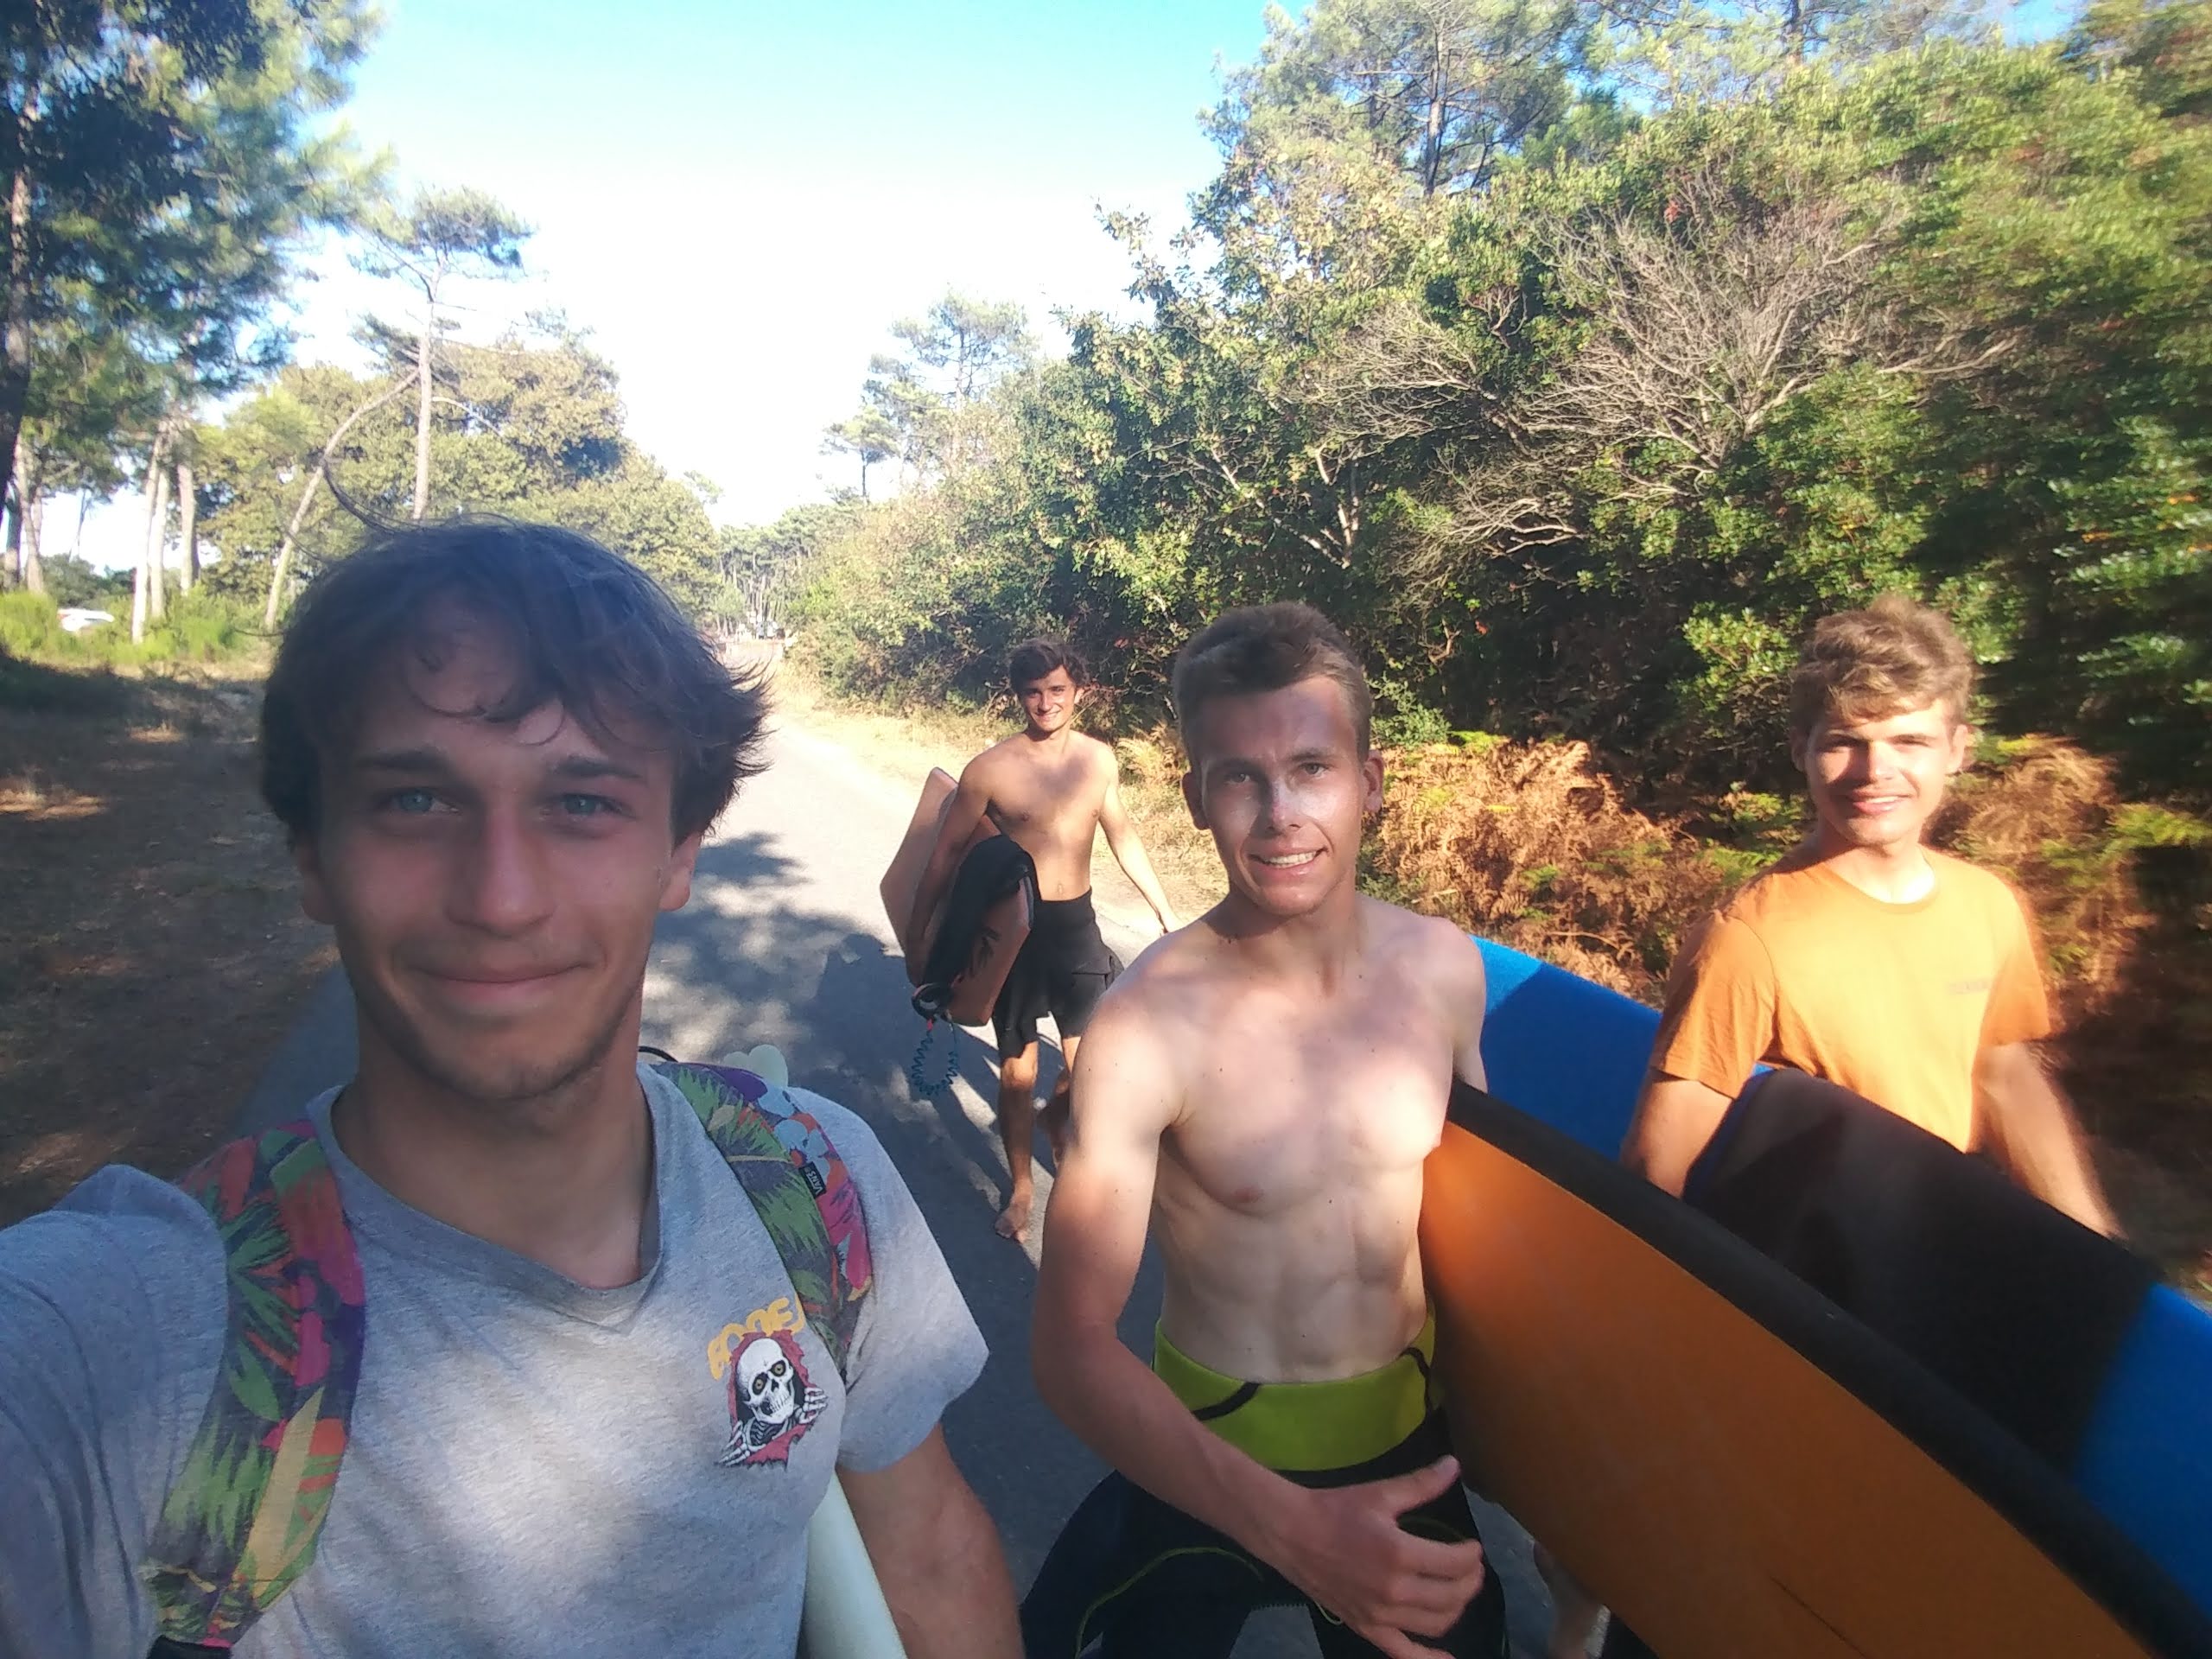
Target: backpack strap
804,1194
243,1517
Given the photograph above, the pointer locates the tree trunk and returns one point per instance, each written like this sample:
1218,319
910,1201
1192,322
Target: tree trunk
281,571
146,586
157,543
11,550
14,322
23,531
187,508
34,532
423,410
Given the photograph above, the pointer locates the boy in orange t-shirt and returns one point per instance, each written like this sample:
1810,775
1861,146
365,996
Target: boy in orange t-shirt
1902,973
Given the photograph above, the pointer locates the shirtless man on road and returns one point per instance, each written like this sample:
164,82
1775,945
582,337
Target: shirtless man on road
1051,789
1265,1085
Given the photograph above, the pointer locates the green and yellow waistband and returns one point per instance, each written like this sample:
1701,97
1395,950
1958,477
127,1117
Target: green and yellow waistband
1300,1427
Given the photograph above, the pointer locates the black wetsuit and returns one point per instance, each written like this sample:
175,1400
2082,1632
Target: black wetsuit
1062,970
1138,1577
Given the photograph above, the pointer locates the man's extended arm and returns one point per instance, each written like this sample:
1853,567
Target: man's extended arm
2036,1133
936,1556
1674,1119
1345,1546
961,814
1719,1019
1128,847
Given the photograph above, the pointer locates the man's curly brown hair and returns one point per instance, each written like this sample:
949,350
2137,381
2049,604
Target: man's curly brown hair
1895,656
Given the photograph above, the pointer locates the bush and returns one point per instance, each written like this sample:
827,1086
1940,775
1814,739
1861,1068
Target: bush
30,626
1529,844
199,627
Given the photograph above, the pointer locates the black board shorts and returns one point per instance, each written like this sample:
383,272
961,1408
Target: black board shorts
1062,968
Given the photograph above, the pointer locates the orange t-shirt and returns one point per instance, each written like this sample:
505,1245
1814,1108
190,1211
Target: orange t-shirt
1893,1001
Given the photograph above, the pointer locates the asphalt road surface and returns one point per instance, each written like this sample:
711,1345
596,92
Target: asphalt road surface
785,942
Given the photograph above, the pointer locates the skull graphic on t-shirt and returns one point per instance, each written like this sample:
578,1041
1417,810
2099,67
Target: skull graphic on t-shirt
770,1401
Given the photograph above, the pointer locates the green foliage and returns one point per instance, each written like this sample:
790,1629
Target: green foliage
1576,369
28,625
73,580
174,160
200,628
530,426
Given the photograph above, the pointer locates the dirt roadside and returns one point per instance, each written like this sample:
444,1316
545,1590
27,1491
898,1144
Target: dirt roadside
152,950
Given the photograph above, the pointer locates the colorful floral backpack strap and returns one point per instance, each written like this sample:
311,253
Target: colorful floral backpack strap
800,1187
243,1518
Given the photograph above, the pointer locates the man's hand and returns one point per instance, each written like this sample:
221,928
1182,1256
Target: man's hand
1344,1549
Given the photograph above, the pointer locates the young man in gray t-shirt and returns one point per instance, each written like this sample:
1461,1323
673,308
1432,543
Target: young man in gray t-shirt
589,1419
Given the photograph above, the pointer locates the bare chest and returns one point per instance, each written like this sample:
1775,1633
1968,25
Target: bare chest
1287,1114
1050,800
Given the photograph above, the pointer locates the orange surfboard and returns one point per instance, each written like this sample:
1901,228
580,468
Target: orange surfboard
1739,1469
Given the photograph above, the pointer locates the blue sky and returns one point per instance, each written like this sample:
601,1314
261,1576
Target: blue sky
737,199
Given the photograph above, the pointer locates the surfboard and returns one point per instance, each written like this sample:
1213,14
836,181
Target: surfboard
972,989
1731,1462
844,1615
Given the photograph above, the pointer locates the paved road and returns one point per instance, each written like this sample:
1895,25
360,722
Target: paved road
785,942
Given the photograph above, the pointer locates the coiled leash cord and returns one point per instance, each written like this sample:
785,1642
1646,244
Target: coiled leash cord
917,1075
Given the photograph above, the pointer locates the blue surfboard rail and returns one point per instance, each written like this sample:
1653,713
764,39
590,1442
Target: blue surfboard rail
1572,1053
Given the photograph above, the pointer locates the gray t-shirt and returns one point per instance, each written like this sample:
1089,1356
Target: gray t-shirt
534,1467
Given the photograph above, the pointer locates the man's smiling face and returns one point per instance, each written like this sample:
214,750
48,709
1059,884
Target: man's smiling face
494,886
1279,780
1049,703
1876,783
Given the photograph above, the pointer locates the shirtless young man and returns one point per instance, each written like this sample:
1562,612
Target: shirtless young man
1051,789
1265,1085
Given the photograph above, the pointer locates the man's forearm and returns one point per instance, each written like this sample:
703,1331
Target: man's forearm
1136,864
956,1600
1125,1413
2043,1145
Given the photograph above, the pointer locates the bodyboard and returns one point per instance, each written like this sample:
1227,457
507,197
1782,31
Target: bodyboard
904,878
1729,1462
966,990
1572,1054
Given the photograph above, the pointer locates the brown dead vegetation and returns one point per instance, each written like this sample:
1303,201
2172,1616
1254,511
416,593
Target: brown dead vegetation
151,947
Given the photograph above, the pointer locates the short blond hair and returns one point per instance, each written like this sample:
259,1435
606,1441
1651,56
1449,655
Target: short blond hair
1896,655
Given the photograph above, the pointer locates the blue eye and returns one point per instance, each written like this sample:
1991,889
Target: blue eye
587,806
413,802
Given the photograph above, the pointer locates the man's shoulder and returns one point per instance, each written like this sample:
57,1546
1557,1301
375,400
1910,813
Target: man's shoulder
125,1265
1394,925
1796,889
1172,977
120,1208
1001,759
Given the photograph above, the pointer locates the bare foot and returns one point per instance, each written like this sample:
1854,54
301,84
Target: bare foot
1014,1220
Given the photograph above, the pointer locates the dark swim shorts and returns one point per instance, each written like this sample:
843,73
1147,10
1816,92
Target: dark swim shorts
1062,970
